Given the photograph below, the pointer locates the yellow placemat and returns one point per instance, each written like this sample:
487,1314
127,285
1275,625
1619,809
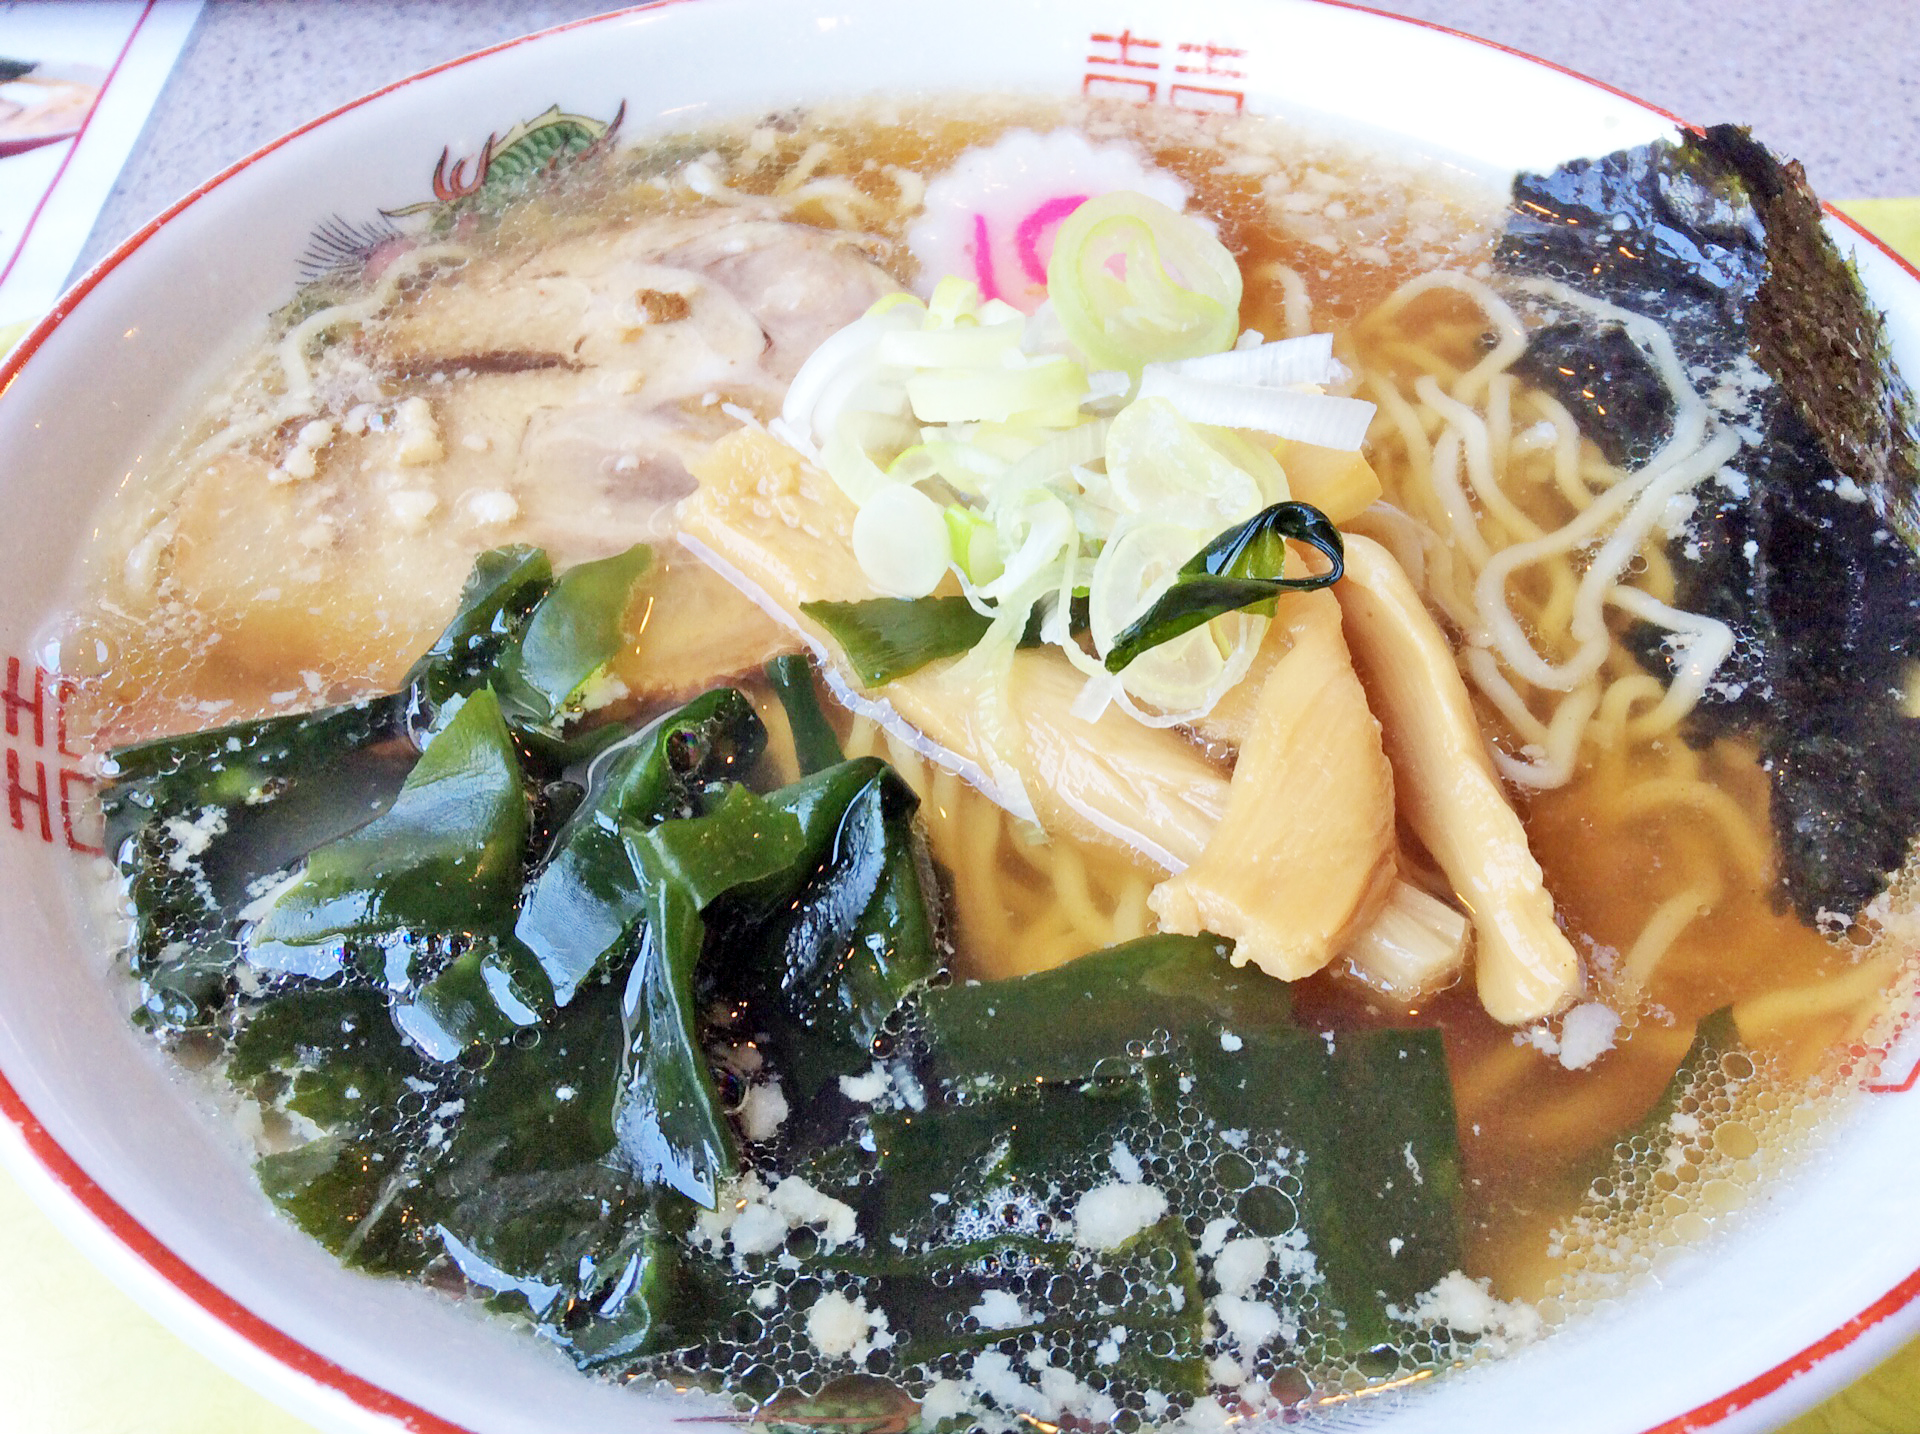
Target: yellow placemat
1897,221
78,1356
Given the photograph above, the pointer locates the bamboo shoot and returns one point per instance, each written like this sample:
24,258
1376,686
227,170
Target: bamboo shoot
782,532
1524,966
1303,857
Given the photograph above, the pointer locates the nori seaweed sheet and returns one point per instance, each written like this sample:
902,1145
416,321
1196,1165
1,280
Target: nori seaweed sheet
1805,543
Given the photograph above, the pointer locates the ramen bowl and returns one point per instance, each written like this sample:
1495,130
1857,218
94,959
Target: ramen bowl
1800,1292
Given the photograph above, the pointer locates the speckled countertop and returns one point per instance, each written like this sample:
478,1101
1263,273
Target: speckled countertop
1832,82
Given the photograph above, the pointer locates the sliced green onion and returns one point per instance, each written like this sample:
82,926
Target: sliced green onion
1059,456
1003,443
1253,456
1175,295
1034,531
853,472
886,303
1160,466
967,347
842,374
900,541
964,467
1050,390
953,299
975,545
1136,567
916,464
1323,419
1305,360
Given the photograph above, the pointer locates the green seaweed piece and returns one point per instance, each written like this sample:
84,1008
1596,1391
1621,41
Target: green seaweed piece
814,743
361,1198
488,992
503,588
446,857
1371,1114
1022,1138
776,874
888,638
196,823
546,675
244,764
670,1122
663,1297
1239,568
333,1050
930,1295
958,1205
583,906
825,973
1368,1114
1058,1025
535,1204
1716,1040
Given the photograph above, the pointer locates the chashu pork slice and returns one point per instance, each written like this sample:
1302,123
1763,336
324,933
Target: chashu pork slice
664,310
553,398
783,532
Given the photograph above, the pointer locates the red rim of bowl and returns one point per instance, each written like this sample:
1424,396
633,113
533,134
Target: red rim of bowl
68,1174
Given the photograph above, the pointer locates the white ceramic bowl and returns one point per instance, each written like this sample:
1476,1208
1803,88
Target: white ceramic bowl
1805,1291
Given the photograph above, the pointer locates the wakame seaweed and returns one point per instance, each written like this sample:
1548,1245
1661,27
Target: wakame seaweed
199,823
520,981
1238,569
1805,543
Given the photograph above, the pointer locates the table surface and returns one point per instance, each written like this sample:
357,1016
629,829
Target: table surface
1835,84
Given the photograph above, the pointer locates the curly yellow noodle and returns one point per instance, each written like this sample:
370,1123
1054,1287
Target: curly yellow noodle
1744,843
861,738
1070,885
1479,1086
1478,446
1500,420
1662,930
1131,917
1424,359
1563,588
1857,992
1611,723
1657,576
1566,448
908,763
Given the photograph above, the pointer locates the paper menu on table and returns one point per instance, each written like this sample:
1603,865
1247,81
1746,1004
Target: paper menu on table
77,81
